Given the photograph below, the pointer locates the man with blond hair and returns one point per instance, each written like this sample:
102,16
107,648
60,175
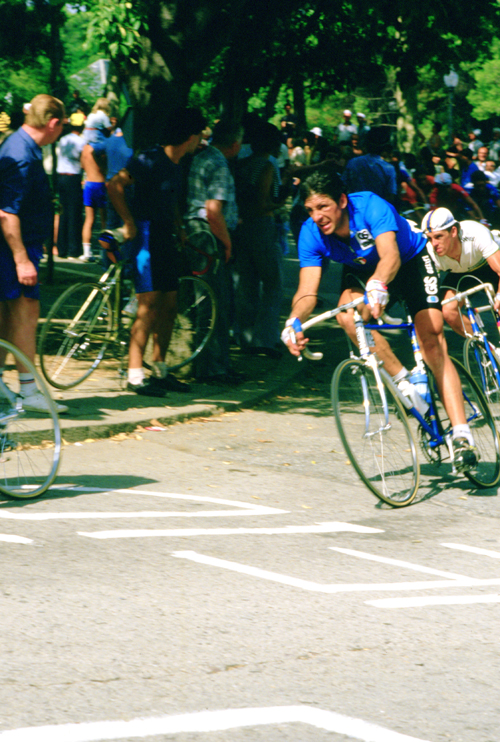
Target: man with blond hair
26,218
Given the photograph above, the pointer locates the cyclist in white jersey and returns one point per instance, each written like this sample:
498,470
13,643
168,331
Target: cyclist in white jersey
461,249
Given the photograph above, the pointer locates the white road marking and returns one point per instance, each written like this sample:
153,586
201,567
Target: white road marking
474,550
263,574
318,528
15,539
208,721
398,563
238,508
433,600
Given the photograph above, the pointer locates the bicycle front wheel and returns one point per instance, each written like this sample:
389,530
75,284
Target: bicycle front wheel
482,425
375,433
485,372
75,335
194,324
30,442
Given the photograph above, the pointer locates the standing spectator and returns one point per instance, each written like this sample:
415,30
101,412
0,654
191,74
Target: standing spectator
493,172
26,221
474,141
78,104
363,129
69,181
212,208
117,153
288,123
494,145
487,197
467,167
259,260
371,172
482,157
150,222
346,129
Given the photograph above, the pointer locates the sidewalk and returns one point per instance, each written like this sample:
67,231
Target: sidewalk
100,407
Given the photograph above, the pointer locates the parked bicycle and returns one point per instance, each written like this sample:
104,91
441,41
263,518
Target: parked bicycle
480,355
371,413
87,323
30,444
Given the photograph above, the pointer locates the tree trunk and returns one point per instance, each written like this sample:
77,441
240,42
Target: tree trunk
299,102
407,121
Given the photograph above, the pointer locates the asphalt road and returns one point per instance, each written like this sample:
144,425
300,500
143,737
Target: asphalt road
229,579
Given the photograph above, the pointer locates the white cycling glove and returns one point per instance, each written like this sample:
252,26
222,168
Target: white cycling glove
377,292
292,326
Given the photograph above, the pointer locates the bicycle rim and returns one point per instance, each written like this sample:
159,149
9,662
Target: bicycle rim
484,372
75,335
194,323
482,425
381,449
30,442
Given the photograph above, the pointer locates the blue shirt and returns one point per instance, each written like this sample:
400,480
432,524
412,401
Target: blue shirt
370,173
117,152
25,189
369,217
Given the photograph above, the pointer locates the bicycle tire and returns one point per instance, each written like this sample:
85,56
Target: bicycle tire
487,374
194,323
75,335
30,445
385,458
482,425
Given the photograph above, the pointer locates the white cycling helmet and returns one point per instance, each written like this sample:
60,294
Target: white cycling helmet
438,220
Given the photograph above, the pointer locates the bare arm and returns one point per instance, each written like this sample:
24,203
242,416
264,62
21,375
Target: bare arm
303,303
494,263
217,224
389,263
116,191
473,205
11,228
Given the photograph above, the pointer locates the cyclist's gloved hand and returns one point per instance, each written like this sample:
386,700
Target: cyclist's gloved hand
497,301
377,293
292,327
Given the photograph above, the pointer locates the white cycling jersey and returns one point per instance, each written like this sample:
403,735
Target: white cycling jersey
477,246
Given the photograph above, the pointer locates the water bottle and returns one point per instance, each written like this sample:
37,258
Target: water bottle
421,383
410,391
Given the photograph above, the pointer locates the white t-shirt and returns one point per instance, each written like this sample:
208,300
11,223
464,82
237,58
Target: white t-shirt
477,245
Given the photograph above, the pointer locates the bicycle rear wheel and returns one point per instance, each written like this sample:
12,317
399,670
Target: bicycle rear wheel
484,372
482,425
30,442
375,433
194,324
75,335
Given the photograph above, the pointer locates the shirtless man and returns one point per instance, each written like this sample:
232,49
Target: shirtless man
94,196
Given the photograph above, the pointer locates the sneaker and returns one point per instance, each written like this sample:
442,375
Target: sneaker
465,456
36,402
86,259
170,383
147,388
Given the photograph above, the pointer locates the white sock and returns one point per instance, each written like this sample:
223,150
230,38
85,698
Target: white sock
87,252
462,431
160,370
135,375
27,385
400,375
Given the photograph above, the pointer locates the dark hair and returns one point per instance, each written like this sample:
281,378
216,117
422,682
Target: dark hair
324,180
378,139
226,132
479,177
182,123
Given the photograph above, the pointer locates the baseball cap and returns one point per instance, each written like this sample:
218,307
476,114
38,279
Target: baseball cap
77,119
444,179
316,130
361,115
438,220
347,112
477,132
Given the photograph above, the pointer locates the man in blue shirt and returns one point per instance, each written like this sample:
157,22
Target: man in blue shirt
371,172
380,252
26,221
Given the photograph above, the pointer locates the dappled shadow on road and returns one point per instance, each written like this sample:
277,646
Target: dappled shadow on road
80,486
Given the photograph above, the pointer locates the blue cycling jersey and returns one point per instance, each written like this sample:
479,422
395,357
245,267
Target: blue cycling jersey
369,217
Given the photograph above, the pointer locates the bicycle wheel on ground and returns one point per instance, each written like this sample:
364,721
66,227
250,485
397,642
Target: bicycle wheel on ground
487,374
482,425
375,433
75,335
194,324
30,442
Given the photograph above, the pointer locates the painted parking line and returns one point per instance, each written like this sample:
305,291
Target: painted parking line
334,527
15,539
398,563
433,600
317,587
209,721
474,550
238,508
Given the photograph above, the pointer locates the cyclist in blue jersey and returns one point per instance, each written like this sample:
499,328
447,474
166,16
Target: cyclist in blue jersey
381,254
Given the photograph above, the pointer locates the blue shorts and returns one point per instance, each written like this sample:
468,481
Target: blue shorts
155,258
10,288
94,195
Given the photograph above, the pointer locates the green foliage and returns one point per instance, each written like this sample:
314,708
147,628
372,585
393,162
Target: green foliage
118,24
484,96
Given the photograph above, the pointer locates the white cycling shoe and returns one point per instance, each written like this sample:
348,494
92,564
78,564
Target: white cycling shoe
36,402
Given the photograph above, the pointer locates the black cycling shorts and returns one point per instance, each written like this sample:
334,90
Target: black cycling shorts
416,283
